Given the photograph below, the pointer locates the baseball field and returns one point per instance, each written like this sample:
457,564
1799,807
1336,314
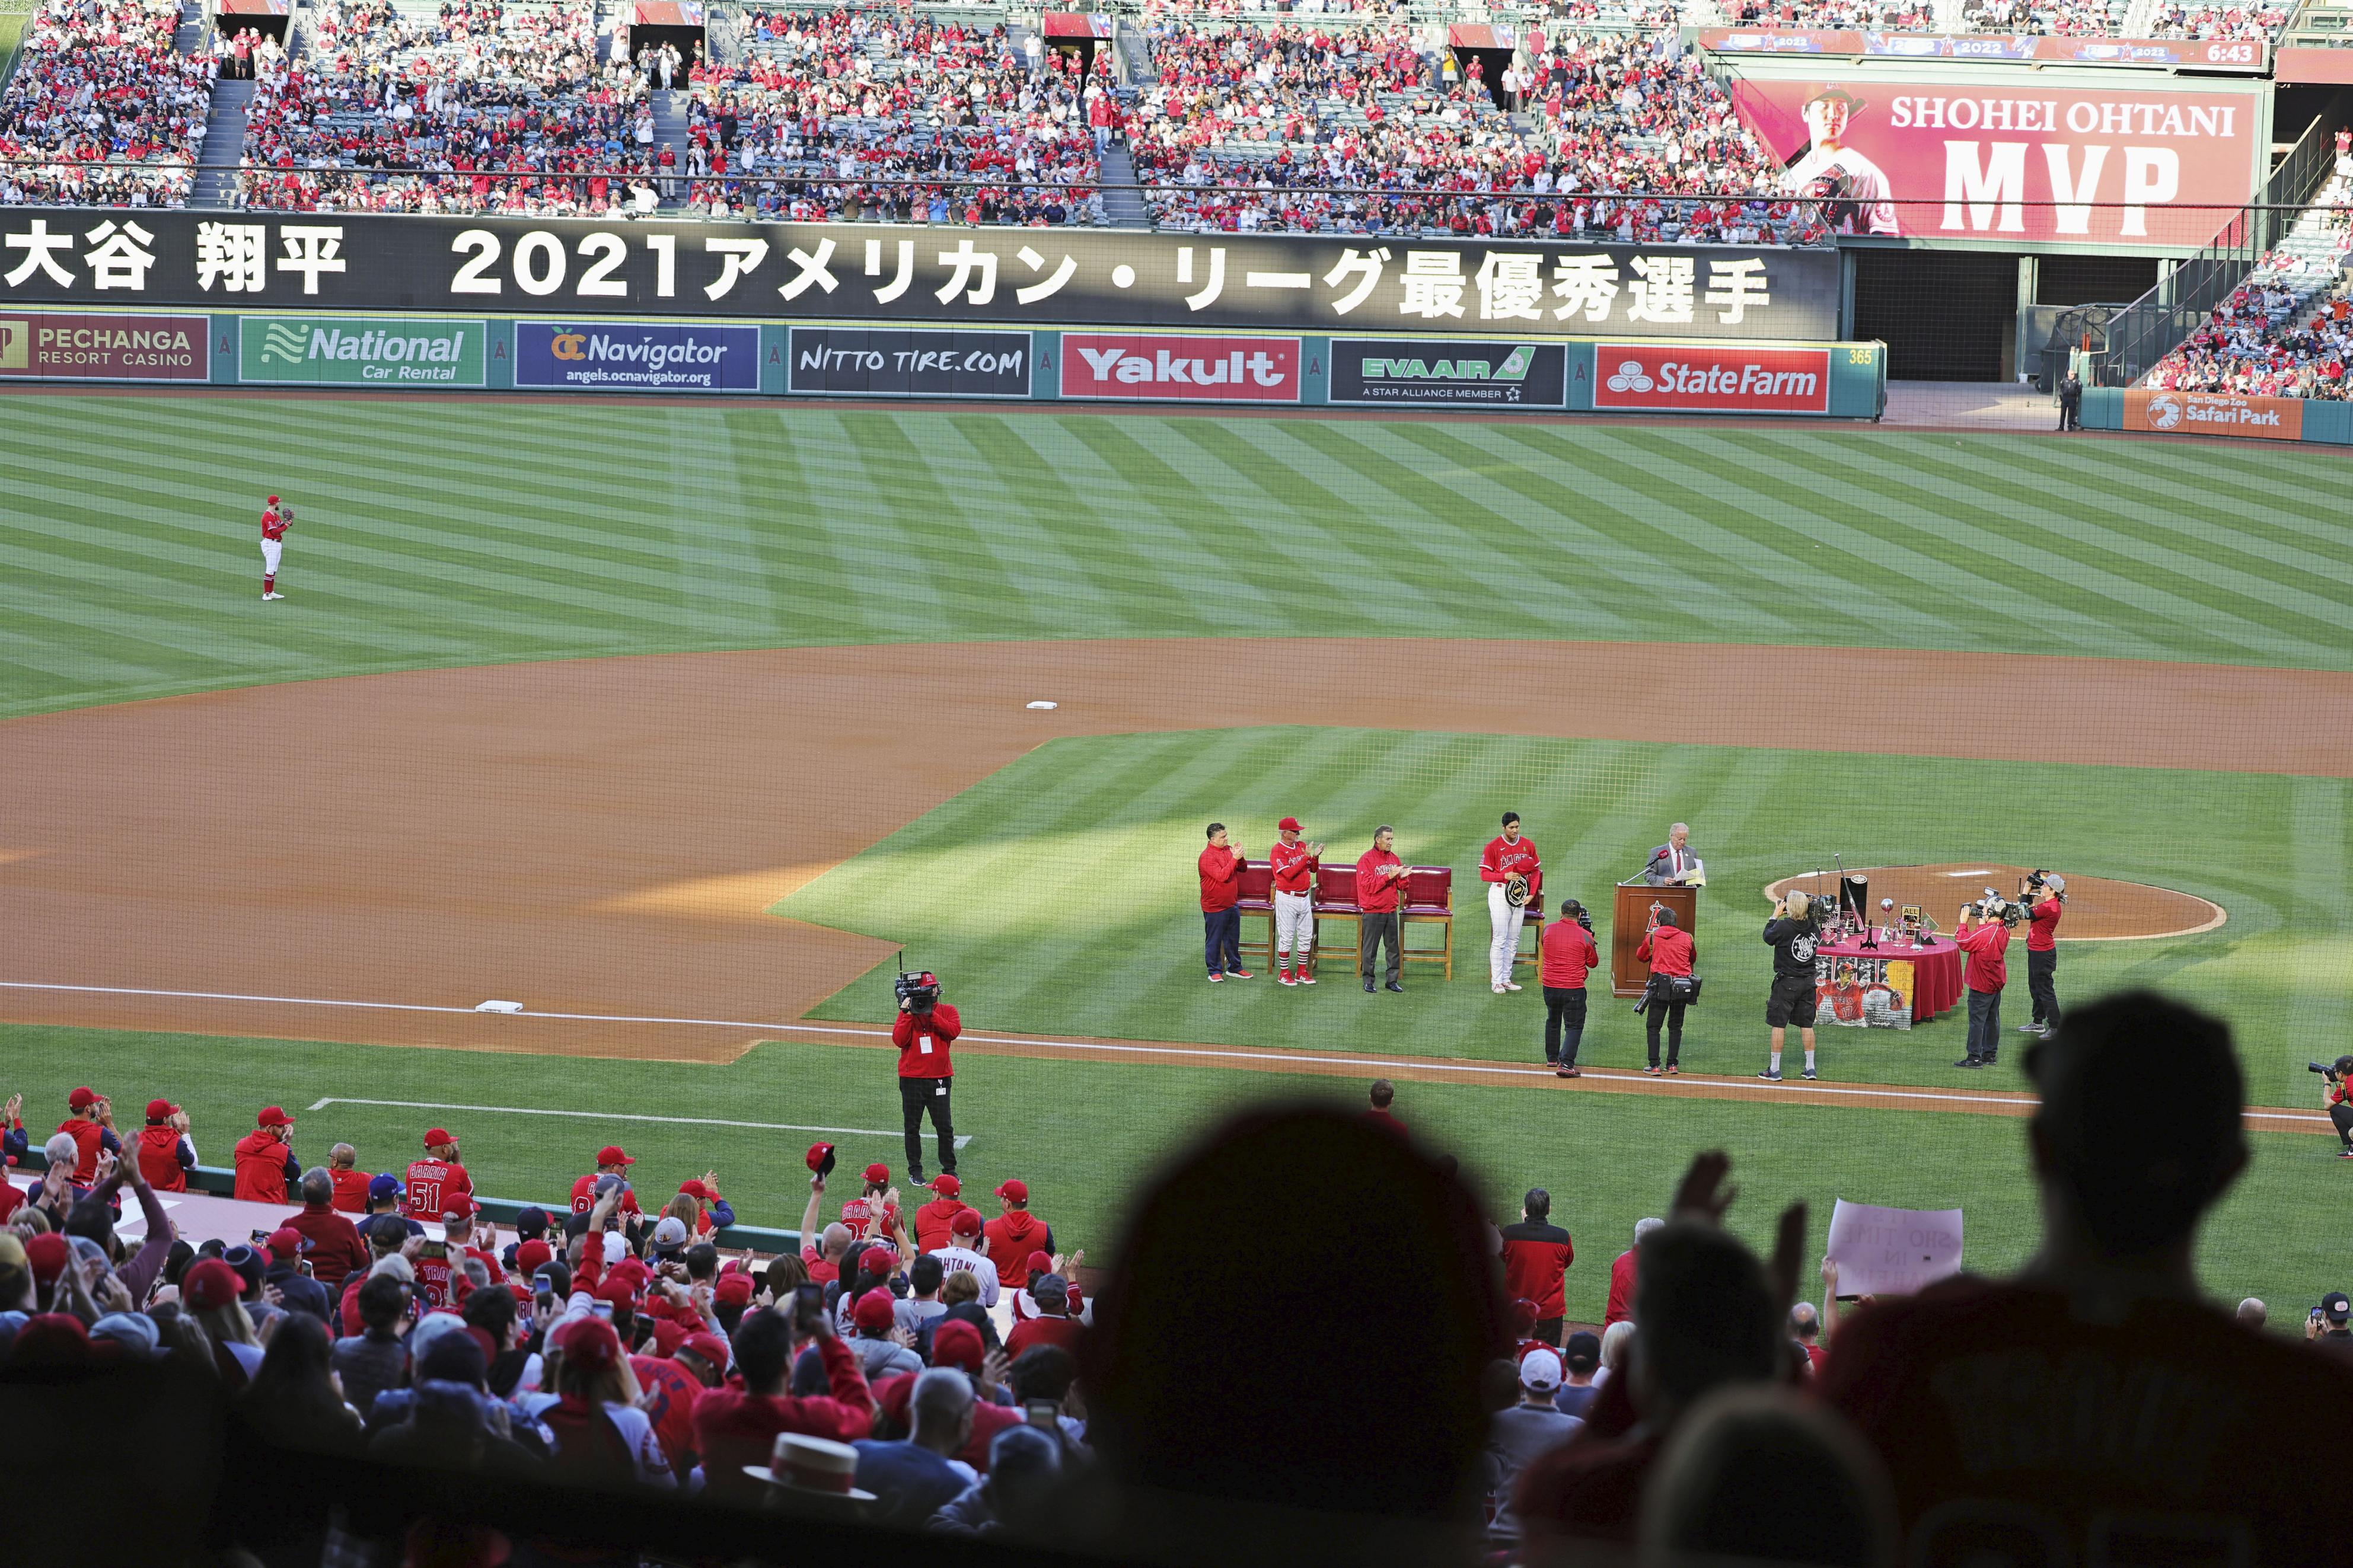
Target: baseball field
676,723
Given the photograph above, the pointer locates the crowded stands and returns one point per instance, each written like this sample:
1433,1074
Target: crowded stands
2214,19
840,100
100,110
2058,19
483,106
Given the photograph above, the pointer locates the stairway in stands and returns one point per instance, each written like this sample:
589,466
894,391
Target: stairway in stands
670,129
223,144
1122,202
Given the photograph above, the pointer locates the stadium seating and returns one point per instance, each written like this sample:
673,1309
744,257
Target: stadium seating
100,82
2214,19
2288,331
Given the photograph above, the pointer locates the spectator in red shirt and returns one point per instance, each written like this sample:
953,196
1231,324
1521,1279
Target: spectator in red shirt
264,1163
1623,1272
2100,1384
1381,876
1054,1325
1381,1096
1568,955
1669,951
91,1124
1016,1232
351,1182
1536,1256
1986,941
737,1423
1221,922
165,1154
935,1221
2043,951
1806,1328
336,1250
822,1256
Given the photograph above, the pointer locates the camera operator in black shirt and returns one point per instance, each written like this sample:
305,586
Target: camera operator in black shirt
1792,934
2337,1098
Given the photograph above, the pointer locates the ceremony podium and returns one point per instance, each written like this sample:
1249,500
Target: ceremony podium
1630,917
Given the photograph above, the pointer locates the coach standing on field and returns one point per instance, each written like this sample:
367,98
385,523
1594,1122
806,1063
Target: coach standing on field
1294,865
925,1029
1379,874
1221,922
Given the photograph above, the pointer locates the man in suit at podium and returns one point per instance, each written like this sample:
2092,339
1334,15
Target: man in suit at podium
1673,860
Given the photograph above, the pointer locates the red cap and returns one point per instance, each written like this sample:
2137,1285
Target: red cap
1016,1191
272,1116
160,1110
589,1343
631,1269
966,1222
873,1312
534,1256
611,1155
821,1157
957,1343
733,1290
1039,1263
435,1137
668,1334
210,1283
273,500
286,1241
82,1099
1524,1318
700,1189
710,1347
459,1206
879,1173
617,1289
1288,825
947,1184
48,1252
878,1260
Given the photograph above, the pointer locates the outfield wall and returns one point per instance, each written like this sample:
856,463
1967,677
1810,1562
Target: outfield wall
2314,420
346,351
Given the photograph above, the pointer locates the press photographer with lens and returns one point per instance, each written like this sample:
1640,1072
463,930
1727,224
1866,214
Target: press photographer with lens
1984,935
2337,1098
1793,933
1567,956
1669,951
925,1029
2045,899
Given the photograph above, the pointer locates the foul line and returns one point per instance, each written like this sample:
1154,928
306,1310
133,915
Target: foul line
612,1116
1207,1053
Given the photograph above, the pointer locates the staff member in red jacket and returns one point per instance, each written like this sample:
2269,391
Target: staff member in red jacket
263,1163
1294,865
2043,915
1536,1256
1568,956
925,1029
1222,923
1986,940
1670,951
1380,876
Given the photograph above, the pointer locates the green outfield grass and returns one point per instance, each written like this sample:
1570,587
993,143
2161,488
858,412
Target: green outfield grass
1084,1134
432,532
1103,935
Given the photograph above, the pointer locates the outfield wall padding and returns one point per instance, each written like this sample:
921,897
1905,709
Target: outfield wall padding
2321,422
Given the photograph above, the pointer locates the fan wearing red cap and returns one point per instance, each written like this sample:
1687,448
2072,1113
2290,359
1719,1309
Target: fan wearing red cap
165,1154
875,1211
1016,1232
737,1423
935,1220
965,1254
711,1212
92,1125
264,1162
275,521
925,1029
611,1160
438,1181
671,1391
1294,865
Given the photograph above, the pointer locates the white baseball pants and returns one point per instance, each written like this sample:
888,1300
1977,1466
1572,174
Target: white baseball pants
271,551
1294,925
1507,918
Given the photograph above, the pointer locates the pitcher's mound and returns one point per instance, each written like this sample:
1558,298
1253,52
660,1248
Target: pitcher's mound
2098,909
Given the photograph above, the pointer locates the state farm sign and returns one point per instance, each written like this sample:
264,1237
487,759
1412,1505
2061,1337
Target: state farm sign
1703,380
1146,365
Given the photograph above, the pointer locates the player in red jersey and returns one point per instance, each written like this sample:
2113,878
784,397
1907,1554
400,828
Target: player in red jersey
436,1178
612,1160
1294,865
1509,863
276,519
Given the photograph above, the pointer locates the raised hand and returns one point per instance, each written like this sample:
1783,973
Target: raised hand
1703,1193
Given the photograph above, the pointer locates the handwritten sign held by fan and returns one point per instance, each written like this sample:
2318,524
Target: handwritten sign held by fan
1893,1252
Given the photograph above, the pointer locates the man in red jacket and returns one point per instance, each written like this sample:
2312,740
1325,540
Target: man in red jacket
737,1423
1986,941
1016,1232
264,1163
336,1250
1536,1256
1381,876
1669,951
935,1221
1222,923
1622,1273
1568,955
166,1155
91,1127
925,1029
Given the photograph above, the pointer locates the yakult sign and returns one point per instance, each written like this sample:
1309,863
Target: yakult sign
1954,161
1173,369
1705,380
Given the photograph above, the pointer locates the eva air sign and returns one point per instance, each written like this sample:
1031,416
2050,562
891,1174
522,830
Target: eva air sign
1375,371
360,351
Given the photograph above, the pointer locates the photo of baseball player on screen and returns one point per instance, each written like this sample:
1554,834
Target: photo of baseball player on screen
1856,195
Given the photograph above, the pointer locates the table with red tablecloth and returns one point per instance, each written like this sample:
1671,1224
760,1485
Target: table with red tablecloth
1892,985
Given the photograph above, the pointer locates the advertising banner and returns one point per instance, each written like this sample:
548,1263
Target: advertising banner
359,351
1925,160
2214,413
105,348
1691,380
2239,55
1864,993
908,361
874,274
1203,370
637,357
1396,371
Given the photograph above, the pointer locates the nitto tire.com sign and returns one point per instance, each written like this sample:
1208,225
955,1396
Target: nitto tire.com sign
1391,371
637,357
359,351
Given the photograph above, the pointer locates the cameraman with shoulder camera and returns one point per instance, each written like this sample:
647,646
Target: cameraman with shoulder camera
2337,1098
1984,935
2046,900
1568,955
1792,933
925,1029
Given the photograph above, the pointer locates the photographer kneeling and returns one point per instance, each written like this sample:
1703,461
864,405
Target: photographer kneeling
2337,1098
925,1029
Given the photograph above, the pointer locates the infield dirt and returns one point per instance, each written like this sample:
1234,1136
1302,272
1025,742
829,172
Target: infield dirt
602,836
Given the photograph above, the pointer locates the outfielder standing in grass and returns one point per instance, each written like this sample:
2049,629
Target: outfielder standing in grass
275,521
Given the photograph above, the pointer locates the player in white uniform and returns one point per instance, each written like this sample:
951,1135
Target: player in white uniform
275,521
1509,859
1864,203
1294,865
